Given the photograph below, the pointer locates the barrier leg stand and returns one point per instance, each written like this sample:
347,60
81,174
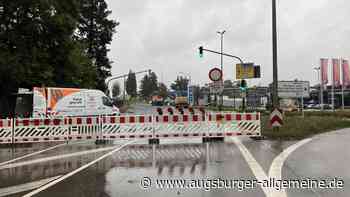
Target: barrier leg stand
207,130
13,121
154,156
221,129
66,128
99,138
104,141
153,140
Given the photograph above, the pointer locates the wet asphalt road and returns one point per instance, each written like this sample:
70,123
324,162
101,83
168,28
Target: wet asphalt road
324,157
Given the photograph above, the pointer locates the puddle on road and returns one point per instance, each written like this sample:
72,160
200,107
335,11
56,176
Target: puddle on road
33,172
8,153
120,174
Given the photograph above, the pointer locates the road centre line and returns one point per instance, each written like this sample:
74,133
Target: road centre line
34,192
275,170
256,168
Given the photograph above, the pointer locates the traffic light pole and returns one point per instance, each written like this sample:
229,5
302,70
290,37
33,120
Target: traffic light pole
201,49
224,54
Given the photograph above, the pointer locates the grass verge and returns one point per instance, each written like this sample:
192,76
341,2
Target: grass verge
296,127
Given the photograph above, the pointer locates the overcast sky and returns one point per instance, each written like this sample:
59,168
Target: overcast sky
164,35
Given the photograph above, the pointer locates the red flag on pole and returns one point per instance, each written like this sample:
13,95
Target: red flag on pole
346,73
336,72
324,71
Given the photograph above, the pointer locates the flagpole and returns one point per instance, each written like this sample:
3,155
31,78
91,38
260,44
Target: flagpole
333,84
321,84
342,86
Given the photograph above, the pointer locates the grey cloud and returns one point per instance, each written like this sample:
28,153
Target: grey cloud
165,35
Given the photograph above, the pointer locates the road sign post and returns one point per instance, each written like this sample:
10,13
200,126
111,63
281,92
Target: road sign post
215,75
216,87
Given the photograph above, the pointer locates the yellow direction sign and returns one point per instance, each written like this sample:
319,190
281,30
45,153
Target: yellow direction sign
245,71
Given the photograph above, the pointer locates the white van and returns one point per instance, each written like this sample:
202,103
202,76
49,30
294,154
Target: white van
71,102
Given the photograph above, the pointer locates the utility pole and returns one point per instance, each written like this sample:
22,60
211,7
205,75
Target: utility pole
275,102
221,56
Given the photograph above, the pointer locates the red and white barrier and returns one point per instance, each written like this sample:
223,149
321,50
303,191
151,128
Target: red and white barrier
127,119
234,117
38,122
5,131
82,120
27,130
5,123
129,127
179,118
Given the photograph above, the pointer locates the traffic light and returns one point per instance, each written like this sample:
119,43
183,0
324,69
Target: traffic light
200,51
243,85
257,73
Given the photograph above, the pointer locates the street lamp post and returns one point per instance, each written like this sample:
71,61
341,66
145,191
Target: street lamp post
221,33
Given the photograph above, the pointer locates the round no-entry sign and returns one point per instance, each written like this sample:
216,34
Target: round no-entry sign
215,74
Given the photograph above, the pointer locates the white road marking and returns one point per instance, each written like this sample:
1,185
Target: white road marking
40,189
277,164
31,154
18,164
275,168
26,186
258,171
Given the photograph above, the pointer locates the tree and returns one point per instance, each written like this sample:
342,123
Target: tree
180,84
153,82
162,90
145,90
149,84
95,30
115,90
131,84
37,47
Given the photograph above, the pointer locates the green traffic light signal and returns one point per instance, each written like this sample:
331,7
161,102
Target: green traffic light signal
243,85
200,51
